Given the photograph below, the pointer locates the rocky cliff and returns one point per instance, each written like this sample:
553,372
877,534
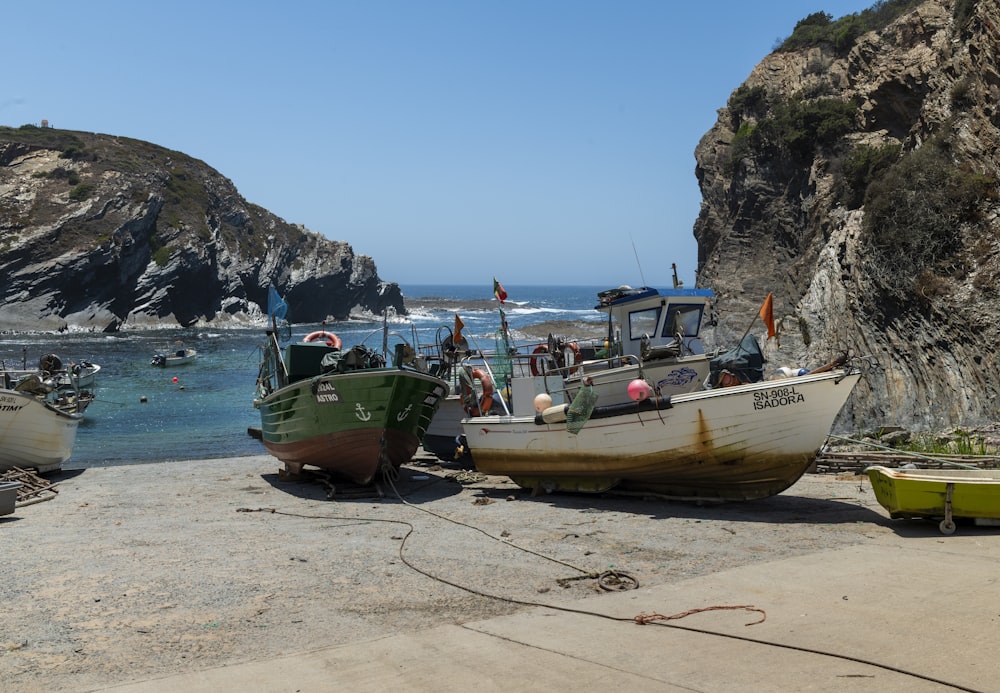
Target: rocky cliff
854,175
104,232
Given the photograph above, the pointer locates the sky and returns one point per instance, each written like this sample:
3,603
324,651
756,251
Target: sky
538,141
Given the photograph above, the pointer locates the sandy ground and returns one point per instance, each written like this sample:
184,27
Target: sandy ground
142,571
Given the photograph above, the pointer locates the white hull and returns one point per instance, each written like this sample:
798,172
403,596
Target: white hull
33,434
742,442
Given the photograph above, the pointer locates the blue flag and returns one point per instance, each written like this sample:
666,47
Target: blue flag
276,306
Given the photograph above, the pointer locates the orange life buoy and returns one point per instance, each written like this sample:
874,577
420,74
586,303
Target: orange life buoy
536,358
577,357
329,337
469,394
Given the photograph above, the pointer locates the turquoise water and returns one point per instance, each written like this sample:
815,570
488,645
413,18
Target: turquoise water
141,414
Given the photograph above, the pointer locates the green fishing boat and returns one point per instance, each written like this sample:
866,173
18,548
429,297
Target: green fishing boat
344,411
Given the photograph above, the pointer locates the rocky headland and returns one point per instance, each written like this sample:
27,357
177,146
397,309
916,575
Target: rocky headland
107,233
854,175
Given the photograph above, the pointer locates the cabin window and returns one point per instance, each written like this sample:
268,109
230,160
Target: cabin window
683,319
643,322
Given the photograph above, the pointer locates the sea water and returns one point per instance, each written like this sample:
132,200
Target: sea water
203,410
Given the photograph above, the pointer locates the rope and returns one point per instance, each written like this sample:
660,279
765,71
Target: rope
407,503
643,619
640,619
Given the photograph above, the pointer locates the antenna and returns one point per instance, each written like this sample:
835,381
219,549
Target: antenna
641,276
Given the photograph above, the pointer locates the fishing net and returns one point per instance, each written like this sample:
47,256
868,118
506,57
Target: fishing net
580,410
502,365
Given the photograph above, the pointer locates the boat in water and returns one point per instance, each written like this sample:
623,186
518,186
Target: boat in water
177,357
343,411
945,494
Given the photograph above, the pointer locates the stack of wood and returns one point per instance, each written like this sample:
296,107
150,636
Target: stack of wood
34,489
839,462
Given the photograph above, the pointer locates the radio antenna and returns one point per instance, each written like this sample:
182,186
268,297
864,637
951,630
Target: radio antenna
641,276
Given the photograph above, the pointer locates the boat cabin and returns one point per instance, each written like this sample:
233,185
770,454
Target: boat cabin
647,323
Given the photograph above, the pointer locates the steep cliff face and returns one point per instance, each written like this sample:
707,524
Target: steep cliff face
860,187
104,232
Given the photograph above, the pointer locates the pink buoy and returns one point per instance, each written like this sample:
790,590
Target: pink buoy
175,378
639,390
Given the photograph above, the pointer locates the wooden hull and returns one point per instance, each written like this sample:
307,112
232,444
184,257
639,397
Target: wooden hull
353,424
735,443
34,434
923,493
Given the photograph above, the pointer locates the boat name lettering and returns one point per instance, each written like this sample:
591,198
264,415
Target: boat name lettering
8,403
326,393
779,397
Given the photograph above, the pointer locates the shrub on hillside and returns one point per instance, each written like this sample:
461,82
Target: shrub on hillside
914,214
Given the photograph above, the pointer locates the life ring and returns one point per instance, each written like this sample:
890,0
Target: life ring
577,356
329,337
469,394
536,358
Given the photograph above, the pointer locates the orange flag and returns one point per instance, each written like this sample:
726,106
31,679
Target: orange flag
767,315
458,330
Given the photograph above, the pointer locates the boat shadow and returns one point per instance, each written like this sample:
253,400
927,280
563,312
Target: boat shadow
923,527
785,508
412,485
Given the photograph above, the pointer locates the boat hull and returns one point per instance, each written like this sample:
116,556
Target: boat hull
34,434
923,493
442,436
735,443
353,424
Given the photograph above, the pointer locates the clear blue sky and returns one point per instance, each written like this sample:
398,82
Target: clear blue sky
541,141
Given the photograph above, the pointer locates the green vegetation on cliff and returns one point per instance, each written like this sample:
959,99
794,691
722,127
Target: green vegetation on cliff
820,29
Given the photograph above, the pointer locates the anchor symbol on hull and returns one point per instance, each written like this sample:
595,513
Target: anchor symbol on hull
403,414
359,411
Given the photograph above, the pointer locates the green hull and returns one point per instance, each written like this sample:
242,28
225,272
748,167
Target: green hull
906,493
353,424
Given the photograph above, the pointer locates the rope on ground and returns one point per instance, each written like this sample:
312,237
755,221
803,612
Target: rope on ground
643,619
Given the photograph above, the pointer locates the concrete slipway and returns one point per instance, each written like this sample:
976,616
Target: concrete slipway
916,611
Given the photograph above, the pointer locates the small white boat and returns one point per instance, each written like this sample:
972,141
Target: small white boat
83,375
178,357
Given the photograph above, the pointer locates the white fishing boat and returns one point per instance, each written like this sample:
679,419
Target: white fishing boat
34,433
654,334
178,357
741,442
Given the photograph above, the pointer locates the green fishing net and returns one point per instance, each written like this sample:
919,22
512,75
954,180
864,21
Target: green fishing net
581,408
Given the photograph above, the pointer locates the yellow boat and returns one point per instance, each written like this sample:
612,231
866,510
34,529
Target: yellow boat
939,493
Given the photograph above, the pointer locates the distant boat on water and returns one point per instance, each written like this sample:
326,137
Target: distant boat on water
178,357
